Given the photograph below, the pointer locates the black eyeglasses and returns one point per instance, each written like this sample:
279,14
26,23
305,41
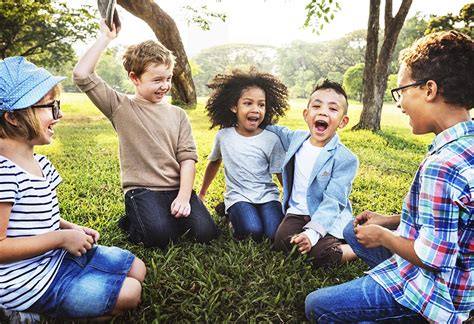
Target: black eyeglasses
55,107
397,92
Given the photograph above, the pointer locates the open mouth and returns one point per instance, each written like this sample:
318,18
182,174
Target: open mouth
321,125
252,119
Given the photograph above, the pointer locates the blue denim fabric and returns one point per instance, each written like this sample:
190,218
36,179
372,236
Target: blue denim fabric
149,219
372,256
254,220
361,300
86,286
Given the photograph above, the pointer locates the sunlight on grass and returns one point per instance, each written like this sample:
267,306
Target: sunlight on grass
227,281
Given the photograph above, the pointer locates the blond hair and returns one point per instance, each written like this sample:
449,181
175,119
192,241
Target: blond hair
138,57
28,125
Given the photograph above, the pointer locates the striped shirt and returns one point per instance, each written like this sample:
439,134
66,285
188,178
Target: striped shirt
35,211
438,215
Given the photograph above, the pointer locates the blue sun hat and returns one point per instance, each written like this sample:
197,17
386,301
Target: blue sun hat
23,84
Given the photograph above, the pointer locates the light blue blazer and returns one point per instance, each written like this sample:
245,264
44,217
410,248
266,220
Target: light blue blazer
329,184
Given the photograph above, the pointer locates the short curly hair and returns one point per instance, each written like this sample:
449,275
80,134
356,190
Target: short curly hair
137,58
227,89
446,57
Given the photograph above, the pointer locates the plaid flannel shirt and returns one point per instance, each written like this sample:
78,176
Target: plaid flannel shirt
438,215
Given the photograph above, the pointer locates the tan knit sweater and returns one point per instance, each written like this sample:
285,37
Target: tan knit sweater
153,138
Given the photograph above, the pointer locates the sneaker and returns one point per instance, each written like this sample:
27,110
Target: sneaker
109,13
16,317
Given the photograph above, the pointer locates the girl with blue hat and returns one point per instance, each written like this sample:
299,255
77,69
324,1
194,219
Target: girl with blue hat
48,265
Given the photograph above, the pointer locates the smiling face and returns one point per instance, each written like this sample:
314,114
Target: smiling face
250,111
412,104
46,121
326,112
154,83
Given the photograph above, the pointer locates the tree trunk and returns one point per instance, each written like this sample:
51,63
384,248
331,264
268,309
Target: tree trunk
376,66
183,91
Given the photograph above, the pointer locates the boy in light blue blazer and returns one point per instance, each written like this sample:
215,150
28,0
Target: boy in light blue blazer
317,178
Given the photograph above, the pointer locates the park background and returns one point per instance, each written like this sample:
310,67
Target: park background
226,281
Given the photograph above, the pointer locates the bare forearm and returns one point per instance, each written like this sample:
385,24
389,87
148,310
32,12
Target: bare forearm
391,222
209,175
403,247
187,174
15,249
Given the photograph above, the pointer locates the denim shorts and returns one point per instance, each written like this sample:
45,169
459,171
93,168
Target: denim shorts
86,286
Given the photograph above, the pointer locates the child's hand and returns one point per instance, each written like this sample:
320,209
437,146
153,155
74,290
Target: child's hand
180,207
89,231
302,240
76,242
370,236
92,233
367,217
104,30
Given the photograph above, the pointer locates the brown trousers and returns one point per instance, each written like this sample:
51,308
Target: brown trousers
326,251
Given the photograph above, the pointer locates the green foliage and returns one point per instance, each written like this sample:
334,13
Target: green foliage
201,17
320,12
464,21
111,70
224,58
226,281
391,84
44,31
353,81
412,29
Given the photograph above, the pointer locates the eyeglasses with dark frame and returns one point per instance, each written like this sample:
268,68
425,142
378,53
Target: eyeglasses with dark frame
55,107
397,92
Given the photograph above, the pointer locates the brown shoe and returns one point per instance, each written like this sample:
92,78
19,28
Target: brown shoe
109,13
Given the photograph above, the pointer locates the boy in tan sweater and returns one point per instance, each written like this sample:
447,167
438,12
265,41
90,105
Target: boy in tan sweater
157,150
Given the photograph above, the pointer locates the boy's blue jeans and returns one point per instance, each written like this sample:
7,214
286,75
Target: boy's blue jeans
359,300
254,220
149,219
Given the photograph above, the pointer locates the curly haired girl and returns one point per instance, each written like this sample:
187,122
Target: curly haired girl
242,104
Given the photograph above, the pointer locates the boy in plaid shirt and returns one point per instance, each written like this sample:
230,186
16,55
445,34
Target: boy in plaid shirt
424,269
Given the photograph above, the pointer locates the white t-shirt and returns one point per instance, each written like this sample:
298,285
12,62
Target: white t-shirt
35,211
248,165
305,159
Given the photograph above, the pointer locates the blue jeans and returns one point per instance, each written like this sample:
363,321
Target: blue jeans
254,220
149,219
86,285
372,256
359,300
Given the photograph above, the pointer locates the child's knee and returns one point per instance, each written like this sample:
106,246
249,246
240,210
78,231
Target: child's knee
281,241
129,296
206,232
310,306
348,233
137,270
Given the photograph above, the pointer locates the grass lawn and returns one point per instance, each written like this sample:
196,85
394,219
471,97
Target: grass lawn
227,280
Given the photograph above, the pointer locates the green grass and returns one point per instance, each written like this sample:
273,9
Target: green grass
226,281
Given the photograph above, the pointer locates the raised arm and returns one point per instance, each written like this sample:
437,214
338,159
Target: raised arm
88,61
209,175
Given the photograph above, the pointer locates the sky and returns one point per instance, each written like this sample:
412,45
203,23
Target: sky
265,22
